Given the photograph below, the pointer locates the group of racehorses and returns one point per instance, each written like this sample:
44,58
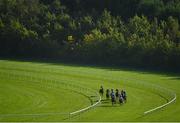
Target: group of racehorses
115,96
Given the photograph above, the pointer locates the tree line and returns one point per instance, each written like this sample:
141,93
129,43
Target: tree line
131,32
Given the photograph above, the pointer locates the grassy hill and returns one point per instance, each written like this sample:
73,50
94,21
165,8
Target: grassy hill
34,91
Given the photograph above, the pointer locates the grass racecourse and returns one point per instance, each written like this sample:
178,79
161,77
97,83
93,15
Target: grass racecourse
34,91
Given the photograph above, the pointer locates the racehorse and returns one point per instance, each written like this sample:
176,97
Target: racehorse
113,98
120,99
117,93
101,91
107,94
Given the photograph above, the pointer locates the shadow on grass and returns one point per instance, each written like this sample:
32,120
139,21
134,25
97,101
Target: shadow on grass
175,74
175,78
108,103
112,106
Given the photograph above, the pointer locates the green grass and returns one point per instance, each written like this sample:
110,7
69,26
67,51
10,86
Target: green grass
34,91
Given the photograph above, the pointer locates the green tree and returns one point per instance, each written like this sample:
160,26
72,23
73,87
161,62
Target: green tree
173,30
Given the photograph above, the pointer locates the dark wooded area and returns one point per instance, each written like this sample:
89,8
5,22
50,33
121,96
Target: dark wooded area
128,32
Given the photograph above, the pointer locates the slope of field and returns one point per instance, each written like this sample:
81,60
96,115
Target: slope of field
31,91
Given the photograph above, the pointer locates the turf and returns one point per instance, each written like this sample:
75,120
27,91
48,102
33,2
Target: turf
33,91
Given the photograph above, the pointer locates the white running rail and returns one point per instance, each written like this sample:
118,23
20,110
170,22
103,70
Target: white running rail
157,87
87,108
159,107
